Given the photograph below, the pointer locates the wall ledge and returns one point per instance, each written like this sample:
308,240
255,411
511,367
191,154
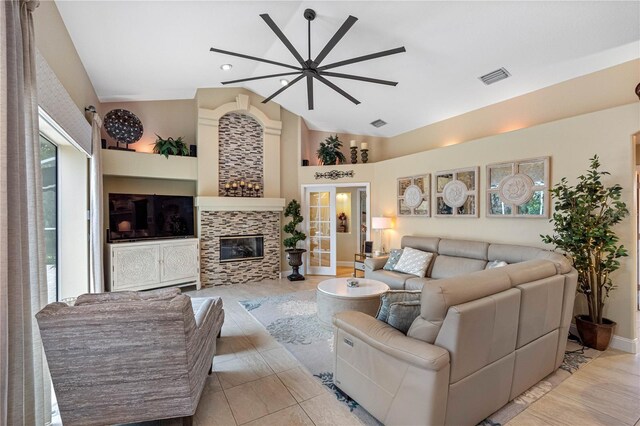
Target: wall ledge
239,204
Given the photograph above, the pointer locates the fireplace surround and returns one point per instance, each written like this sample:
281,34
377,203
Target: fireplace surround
239,248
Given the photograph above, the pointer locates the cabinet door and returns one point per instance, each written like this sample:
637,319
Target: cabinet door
179,262
135,267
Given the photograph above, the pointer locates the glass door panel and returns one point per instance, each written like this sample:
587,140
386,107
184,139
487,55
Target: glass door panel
49,171
321,220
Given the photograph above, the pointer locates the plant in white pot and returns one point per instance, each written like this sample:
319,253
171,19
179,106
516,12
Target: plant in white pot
294,253
583,222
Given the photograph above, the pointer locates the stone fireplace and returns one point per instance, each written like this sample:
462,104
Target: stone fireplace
239,236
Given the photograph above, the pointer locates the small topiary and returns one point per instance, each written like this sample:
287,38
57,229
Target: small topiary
293,211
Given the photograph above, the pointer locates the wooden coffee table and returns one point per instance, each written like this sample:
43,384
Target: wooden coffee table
334,296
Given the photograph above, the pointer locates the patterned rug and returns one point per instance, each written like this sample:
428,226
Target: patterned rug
292,320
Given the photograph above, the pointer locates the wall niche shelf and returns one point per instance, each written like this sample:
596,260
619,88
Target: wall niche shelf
145,165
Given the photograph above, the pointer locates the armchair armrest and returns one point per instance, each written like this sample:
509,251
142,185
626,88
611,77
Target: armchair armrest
375,263
391,341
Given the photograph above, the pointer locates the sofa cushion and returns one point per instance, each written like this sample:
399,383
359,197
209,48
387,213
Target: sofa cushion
511,253
449,266
463,248
395,280
415,283
421,243
127,296
202,305
402,315
395,296
392,261
414,262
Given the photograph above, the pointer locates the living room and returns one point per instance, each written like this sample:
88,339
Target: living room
202,244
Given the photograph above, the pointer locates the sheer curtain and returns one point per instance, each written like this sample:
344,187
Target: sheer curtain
24,397
96,231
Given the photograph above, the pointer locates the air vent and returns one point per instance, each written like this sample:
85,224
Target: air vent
495,76
378,123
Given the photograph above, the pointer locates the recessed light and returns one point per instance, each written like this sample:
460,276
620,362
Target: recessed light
226,67
284,81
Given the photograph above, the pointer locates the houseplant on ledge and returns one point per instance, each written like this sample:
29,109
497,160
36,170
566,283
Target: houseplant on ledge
583,222
294,253
170,146
329,152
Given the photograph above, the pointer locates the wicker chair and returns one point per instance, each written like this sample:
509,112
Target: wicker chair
128,357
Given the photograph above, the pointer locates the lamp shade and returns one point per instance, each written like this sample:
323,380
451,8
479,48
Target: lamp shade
381,223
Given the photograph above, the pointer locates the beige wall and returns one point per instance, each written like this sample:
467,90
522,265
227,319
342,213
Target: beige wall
569,142
173,118
593,92
289,160
314,137
214,97
55,45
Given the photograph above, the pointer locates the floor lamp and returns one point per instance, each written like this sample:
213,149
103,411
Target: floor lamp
380,224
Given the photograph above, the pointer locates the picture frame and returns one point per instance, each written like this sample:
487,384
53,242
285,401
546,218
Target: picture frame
456,191
414,195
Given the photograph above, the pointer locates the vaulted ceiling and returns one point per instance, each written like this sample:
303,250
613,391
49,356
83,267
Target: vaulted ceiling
155,50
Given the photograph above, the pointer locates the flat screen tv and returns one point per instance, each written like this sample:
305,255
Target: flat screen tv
141,216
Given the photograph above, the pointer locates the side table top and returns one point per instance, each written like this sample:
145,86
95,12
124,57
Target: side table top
337,287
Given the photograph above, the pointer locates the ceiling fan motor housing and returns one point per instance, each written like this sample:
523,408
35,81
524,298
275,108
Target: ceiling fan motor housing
309,14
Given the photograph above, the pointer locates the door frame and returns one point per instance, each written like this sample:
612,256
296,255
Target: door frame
303,197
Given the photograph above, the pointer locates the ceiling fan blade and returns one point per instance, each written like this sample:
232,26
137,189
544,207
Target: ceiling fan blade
364,58
310,91
261,77
346,26
359,78
283,88
336,88
253,58
282,38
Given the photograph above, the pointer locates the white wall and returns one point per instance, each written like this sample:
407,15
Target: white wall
73,234
570,142
347,242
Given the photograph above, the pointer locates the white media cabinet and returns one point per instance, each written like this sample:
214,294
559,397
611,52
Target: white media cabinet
144,265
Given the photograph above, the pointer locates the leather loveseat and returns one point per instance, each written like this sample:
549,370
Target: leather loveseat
483,336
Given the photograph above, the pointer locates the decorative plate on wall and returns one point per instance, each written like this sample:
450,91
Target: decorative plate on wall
123,126
518,188
456,192
414,195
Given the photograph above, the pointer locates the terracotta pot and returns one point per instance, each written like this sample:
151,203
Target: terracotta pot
295,260
596,336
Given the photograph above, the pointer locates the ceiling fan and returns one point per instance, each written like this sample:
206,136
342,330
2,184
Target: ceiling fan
311,68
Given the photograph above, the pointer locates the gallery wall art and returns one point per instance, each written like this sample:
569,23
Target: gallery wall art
456,192
518,188
414,195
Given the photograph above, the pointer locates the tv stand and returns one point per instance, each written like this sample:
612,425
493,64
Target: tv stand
149,264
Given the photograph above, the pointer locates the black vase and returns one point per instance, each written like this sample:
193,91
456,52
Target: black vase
295,260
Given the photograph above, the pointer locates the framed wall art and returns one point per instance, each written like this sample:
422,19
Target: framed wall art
518,188
456,192
414,195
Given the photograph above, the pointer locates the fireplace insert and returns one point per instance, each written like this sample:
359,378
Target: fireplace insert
238,248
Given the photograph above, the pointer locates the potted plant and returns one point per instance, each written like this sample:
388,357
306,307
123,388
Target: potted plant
170,146
329,152
583,222
294,254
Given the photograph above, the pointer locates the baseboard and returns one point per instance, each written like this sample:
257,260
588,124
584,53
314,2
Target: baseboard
283,274
617,342
344,263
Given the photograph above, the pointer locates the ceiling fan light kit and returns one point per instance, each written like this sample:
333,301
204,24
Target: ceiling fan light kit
311,69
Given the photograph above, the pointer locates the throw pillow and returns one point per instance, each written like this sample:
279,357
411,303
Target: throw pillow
496,264
395,296
392,261
402,315
414,262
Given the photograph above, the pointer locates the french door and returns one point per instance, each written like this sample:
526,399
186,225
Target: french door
321,219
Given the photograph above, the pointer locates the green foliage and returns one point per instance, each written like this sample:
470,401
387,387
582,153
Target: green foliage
293,211
329,152
170,146
583,222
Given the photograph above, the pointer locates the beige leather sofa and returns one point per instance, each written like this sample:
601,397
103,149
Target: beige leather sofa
128,356
482,337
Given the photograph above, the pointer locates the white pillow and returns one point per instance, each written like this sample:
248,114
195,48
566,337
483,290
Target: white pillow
496,264
414,262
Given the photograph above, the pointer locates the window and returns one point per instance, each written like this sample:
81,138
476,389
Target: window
49,169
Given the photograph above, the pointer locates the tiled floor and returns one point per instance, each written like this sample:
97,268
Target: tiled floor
257,382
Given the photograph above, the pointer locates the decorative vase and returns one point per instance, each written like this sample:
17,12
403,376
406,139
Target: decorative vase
354,155
295,261
596,336
365,155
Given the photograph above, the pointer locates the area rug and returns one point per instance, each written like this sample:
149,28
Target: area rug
292,320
